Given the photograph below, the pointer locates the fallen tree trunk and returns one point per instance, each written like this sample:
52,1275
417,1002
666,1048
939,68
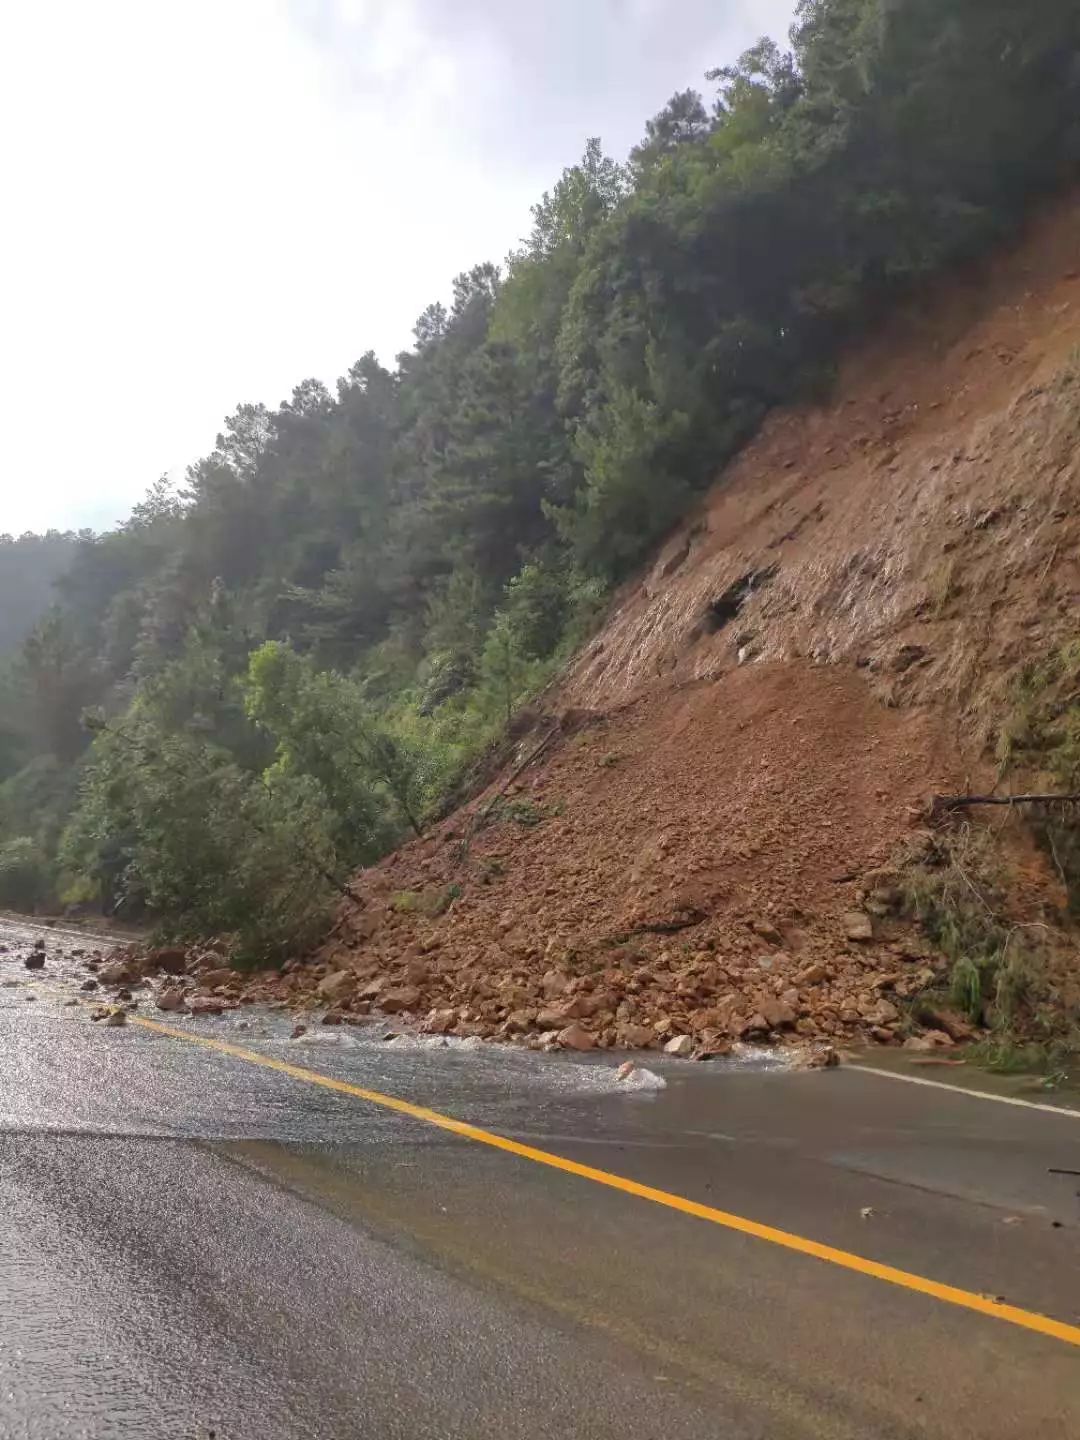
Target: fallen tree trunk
962,802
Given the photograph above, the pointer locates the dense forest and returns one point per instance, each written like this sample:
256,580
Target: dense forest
267,676
29,567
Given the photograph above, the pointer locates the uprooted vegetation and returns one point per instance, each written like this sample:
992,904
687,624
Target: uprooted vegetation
1013,979
1040,738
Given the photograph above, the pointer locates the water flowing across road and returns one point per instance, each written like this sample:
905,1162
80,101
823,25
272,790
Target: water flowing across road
194,1243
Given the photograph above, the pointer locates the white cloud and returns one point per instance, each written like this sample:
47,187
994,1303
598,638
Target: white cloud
207,200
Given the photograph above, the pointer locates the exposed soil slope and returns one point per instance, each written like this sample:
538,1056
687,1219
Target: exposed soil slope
930,505
758,726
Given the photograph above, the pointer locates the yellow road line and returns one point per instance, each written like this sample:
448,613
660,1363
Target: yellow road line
949,1294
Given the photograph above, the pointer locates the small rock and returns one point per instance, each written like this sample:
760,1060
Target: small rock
118,972
35,961
116,1018
767,930
812,975
681,1045
297,1031
207,1005
824,1057
550,1018
332,1017
89,985
171,998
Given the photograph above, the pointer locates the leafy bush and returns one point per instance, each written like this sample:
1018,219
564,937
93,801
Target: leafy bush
26,879
171,825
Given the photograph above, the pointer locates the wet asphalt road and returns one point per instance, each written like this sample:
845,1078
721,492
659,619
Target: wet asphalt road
191,1244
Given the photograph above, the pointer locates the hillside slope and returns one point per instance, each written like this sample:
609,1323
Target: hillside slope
706,846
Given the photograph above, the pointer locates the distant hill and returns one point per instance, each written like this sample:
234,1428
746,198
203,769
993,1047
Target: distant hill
29,564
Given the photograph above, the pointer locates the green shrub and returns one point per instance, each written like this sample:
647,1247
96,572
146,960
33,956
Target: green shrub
26,879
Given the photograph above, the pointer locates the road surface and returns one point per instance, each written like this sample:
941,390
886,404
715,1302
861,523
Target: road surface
204,1240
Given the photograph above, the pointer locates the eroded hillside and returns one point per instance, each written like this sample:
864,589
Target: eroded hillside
711,842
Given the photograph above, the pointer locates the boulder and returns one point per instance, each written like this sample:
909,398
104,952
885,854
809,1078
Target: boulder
168,960
680,1045
635,1037
880,1014
939,1038
777,1014
576,1037
578,1007
955,1026
439,1022
336,985
858,926
551,1018
554,984
221,975
405,997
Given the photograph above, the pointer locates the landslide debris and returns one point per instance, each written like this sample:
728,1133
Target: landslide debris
704,848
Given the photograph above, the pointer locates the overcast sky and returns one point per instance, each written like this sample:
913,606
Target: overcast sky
205,201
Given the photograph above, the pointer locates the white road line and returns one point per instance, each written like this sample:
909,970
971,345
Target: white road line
963,1090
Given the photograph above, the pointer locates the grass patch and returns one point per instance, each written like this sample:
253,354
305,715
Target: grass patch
521,811
1054,1060
429,903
